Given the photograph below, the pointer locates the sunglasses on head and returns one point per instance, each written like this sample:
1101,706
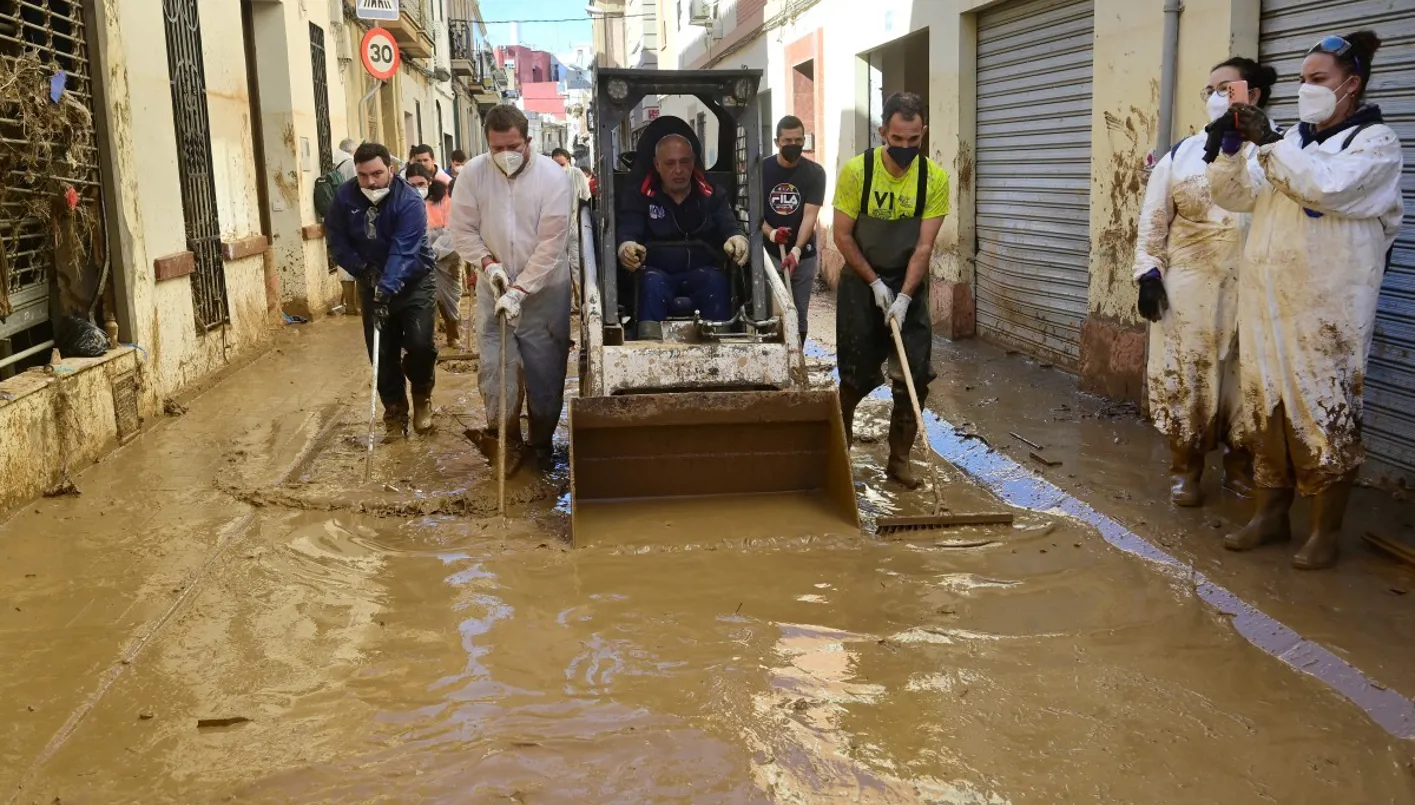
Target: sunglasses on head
1336,46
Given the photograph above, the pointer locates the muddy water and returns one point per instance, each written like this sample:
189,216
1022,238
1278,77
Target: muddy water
438,657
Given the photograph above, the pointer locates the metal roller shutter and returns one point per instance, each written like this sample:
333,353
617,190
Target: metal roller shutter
1033,171
1289,28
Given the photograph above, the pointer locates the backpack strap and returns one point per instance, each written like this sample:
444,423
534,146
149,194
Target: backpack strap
865,183
1174,152
1345,144
921,195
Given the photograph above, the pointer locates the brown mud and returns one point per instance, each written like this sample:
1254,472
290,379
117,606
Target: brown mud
429,656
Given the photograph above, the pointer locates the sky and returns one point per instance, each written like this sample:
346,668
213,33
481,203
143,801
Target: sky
554,37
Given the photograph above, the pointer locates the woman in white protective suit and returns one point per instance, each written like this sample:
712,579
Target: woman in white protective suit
1186,263
1326,209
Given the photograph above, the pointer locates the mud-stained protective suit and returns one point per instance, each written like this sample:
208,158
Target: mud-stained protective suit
1196,246
521,222
1326,208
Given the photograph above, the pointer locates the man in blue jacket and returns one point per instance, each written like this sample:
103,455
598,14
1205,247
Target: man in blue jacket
677,203
377,230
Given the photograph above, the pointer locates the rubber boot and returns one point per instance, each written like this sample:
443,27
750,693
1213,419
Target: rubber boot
422,410
902,432
542,442
1186,470
1270,521
395,419
849,400
1238,471
454,334
1324,541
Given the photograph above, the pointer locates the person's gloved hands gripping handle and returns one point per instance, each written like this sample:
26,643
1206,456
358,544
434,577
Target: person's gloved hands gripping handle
1154,301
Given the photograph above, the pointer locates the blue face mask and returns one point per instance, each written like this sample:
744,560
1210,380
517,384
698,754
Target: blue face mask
903,156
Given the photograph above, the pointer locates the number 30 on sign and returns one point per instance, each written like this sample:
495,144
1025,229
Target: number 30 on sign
380,54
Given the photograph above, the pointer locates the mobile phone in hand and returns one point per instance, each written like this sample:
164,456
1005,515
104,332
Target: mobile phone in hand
1237,92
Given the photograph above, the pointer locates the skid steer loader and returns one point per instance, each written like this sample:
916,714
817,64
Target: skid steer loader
714,429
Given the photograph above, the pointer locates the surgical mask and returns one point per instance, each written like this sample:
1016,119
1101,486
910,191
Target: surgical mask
1316,103
1217,105
422,192
792,152
375,196
903,156
509,161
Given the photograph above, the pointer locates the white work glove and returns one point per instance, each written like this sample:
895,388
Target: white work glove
884,297
496,278
632,255
509,305
898,309
736,248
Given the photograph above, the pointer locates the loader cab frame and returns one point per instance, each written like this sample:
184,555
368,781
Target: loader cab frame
729,95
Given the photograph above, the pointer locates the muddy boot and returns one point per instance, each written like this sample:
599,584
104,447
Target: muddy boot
1324,541
422,410
1270,522
542,442
902,432
1238,471
454,335
1186,469
395,420
849,400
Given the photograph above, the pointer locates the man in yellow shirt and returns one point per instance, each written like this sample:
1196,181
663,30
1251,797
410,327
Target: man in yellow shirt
889,205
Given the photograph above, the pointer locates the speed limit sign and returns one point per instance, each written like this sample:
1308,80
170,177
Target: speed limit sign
379,52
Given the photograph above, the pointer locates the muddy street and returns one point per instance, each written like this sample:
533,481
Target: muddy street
229,613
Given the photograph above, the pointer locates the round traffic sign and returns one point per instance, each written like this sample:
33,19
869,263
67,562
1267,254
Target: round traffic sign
379,52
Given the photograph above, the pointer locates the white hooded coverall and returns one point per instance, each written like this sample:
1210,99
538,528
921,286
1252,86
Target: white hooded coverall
1196,245
1324,219
522,223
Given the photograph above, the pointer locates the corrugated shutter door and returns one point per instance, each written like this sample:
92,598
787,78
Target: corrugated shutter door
1289,29
1033,171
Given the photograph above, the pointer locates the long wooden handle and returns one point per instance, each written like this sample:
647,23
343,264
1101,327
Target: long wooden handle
372,405
918,412
501,433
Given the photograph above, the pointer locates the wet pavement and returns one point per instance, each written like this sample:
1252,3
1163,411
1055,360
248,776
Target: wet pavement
229,613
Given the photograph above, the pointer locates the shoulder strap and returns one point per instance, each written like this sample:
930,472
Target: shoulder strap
921,196
865,183
1345,144
1174,152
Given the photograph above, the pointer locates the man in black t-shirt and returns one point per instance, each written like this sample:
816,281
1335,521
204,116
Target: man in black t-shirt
793,189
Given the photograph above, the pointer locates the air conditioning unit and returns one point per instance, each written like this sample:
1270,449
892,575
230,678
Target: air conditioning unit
702,12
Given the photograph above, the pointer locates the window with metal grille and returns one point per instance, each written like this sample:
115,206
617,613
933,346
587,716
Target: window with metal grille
189,115
44,150
321,99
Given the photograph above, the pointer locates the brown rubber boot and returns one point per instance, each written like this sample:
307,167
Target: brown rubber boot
1270,522
1238,471
1186,470
395,419
902,432
849,399
422,410
487,444
542,442
1324,541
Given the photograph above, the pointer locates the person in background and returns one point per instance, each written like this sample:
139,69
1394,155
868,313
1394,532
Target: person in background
344,163
449,264
459,159
1326,210
344,160
379,223
1186,264
889,206
594,182
793,190
579,198
510,216
422,155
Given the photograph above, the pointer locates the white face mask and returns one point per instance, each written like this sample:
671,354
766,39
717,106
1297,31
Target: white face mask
509,161
375,195
422,192
1316,104
1217,105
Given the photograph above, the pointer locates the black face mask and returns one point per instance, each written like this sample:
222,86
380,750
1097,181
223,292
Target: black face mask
903,156
792,152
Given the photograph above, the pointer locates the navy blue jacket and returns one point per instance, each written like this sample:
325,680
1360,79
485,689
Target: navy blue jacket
399,250
647,216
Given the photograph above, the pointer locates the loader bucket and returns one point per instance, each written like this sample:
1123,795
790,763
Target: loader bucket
680,467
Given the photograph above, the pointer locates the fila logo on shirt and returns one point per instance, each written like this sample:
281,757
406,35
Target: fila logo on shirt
656,212
785,198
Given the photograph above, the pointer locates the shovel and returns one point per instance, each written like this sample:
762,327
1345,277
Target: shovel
501,433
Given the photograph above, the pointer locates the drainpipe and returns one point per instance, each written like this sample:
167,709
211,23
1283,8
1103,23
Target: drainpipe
1168,75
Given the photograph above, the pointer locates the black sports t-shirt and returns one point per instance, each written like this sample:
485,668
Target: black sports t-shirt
787,191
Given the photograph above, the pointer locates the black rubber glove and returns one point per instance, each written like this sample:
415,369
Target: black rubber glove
380,308
1253,124
1153,300
1216,130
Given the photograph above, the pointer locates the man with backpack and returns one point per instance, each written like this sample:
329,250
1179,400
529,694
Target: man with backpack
325,188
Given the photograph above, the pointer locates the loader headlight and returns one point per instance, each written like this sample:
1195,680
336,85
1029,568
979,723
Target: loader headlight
742,90
618,89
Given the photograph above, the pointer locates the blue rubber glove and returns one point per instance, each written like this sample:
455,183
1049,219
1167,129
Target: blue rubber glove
1232,142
